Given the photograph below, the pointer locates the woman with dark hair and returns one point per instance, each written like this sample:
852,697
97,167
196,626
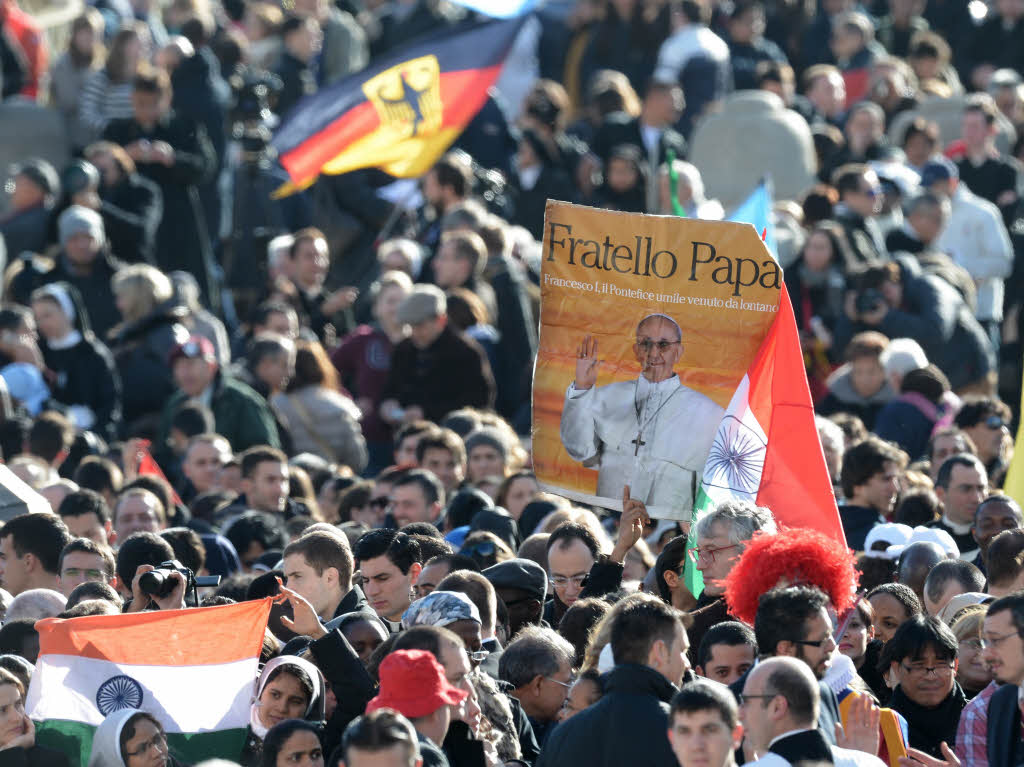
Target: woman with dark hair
516,491
858,643
537,178
293,742
131,738
320,419
817,282
922,659
910,419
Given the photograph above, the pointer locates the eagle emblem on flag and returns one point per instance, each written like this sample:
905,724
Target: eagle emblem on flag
407,97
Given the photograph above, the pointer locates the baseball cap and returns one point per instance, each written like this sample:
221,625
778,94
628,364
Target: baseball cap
523,574
440,608
424,303
194,347
884,537
413,683
40,173
958,603
938,169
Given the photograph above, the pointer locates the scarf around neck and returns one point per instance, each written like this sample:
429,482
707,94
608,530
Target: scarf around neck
929,727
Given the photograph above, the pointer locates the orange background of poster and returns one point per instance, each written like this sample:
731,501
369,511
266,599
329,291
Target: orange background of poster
718,342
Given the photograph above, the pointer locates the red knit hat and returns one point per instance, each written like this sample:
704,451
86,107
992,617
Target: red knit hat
413,683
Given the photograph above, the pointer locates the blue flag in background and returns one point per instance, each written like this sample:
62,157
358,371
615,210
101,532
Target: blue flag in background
757,210
499,9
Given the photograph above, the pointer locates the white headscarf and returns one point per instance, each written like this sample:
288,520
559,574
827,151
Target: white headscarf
257,726
106,742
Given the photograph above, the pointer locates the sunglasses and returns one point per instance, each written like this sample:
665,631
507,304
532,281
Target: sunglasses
995,422
379,503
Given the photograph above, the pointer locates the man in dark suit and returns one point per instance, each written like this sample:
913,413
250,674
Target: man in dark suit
652,132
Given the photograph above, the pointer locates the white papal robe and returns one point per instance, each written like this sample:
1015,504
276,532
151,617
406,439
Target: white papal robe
675,424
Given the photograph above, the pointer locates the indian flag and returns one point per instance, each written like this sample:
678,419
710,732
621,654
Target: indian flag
767,448
194,670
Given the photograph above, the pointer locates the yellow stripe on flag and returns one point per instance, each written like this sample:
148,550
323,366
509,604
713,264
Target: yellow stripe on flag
1014,484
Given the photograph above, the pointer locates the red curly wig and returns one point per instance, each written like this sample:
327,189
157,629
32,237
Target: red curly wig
796,556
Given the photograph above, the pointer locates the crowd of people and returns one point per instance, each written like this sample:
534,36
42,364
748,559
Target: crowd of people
326,397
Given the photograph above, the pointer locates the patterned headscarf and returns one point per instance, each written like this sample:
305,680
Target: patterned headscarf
439,608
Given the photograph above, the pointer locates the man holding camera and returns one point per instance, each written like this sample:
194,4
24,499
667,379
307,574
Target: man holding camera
899,300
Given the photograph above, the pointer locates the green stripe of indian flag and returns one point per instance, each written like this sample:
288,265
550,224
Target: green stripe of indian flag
732,471
184,698
75,740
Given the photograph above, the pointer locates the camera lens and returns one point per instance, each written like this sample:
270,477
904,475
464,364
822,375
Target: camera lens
156,583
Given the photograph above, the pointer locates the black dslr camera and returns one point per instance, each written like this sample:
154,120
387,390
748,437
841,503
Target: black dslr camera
158,582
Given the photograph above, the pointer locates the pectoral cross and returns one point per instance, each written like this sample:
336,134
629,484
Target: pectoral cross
638,442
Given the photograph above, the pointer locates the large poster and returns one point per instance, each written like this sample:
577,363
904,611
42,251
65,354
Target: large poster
648,323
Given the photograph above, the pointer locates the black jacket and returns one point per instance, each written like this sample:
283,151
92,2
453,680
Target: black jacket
352,685
627,726
857,523
451,373
131,211
94,288
619,128
183,241
518,335
26,231
1004,740
297,82
927,728
603,578
934,314
37,756
85,374
141,350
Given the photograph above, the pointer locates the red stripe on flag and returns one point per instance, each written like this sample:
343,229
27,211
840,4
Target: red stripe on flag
795,482
462,94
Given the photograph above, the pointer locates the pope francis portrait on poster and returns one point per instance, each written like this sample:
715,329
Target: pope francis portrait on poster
652,433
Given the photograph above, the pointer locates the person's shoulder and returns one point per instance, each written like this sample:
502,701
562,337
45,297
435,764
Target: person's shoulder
768,760
41,756
238,389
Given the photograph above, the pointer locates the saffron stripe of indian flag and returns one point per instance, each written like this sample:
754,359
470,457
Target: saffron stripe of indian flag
194,670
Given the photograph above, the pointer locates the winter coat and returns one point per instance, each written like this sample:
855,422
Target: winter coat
85,374
842,398
131,210
240,415
182,239
633,711
517,335
141,350
37,756
27,230
933,314
363,360
94,288
908,421
67,82
325,423
345,50
449,374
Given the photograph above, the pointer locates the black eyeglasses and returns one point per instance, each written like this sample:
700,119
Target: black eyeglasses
379,503
819,643
743,697
662,346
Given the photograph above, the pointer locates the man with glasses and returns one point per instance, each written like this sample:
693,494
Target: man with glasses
986,420
997,739
577,567
779,707
84,560
630,430
722,535
538,666
922,659
961,485
860,201
794,622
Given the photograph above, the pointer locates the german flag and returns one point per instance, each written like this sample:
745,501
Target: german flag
399,115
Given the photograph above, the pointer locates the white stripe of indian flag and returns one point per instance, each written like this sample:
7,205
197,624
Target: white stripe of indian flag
732,471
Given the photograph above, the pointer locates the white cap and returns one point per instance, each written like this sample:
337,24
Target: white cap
928,535
903,355
891,533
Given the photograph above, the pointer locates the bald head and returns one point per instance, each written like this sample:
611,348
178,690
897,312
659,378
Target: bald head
793,680
915,563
